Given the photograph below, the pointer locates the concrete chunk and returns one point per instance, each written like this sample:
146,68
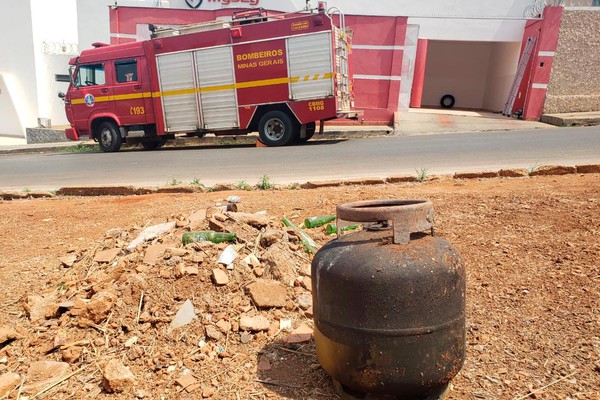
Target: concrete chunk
302,334
44,373
150,233
68,260
267,293
7,334
188,383
8,382
220,277
154,253
197,219
117,377
254,324
106,256
184,316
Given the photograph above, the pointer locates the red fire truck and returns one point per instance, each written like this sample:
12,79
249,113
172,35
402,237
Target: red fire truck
275,74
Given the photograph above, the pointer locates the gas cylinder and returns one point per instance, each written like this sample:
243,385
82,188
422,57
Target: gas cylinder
389,303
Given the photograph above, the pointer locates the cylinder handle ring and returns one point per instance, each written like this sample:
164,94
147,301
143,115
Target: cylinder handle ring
406,216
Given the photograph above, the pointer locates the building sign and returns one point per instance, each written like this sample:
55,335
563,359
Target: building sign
193,3
232,3
60,48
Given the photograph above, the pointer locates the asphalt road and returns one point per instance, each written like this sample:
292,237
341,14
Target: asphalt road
318,160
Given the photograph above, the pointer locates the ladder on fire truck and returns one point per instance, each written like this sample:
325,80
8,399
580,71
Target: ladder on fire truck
523,62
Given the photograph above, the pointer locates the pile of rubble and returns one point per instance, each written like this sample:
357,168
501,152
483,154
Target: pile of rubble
142,315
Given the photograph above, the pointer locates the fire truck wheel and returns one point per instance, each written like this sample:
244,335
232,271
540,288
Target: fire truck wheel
276,128
109,137
153,144
310,132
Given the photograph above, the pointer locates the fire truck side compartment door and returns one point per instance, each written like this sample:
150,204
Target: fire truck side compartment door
178,92
216,81
311,66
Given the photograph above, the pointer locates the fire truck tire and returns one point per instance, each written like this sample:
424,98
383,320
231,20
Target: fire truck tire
109,137
310,132
153,144
276,128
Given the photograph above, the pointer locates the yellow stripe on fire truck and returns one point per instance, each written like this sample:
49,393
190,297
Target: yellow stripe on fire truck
240,85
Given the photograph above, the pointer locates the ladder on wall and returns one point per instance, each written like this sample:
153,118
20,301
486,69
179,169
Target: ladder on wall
523,62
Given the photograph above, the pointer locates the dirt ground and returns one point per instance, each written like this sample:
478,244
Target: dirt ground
531,248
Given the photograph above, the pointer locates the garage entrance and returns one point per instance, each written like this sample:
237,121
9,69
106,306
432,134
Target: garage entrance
478,75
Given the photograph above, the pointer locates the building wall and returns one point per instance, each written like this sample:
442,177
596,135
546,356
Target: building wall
93,22
18,100
500,75
54,43
575,81
43,36
473,20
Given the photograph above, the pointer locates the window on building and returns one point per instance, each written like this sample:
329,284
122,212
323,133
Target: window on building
90,75
126,70
61,78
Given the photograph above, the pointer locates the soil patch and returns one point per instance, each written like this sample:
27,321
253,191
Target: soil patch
73,295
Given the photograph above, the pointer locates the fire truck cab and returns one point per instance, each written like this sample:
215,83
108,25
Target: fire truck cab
277,75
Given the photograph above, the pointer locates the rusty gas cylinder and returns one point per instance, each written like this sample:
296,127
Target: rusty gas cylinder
389,303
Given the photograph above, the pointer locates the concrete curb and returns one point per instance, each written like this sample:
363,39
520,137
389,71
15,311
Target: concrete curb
569,121
546,170
476,175
513,173
83,191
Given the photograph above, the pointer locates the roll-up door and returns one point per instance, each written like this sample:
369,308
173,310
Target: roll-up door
311,68
178,92
216,80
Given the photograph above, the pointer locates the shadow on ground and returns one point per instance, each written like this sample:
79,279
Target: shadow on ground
293,372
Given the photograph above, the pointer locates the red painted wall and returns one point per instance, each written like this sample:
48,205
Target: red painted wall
375,93
533,89
377,56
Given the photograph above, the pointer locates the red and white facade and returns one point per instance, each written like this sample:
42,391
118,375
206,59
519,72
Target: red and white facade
405,53
399,60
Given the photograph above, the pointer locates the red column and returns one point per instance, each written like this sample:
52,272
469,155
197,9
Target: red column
542,63
416,93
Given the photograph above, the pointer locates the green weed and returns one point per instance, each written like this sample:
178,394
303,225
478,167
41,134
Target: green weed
196,182
242,185
533,168
421,174
265,183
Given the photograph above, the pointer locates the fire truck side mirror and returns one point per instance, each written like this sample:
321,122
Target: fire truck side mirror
61,95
